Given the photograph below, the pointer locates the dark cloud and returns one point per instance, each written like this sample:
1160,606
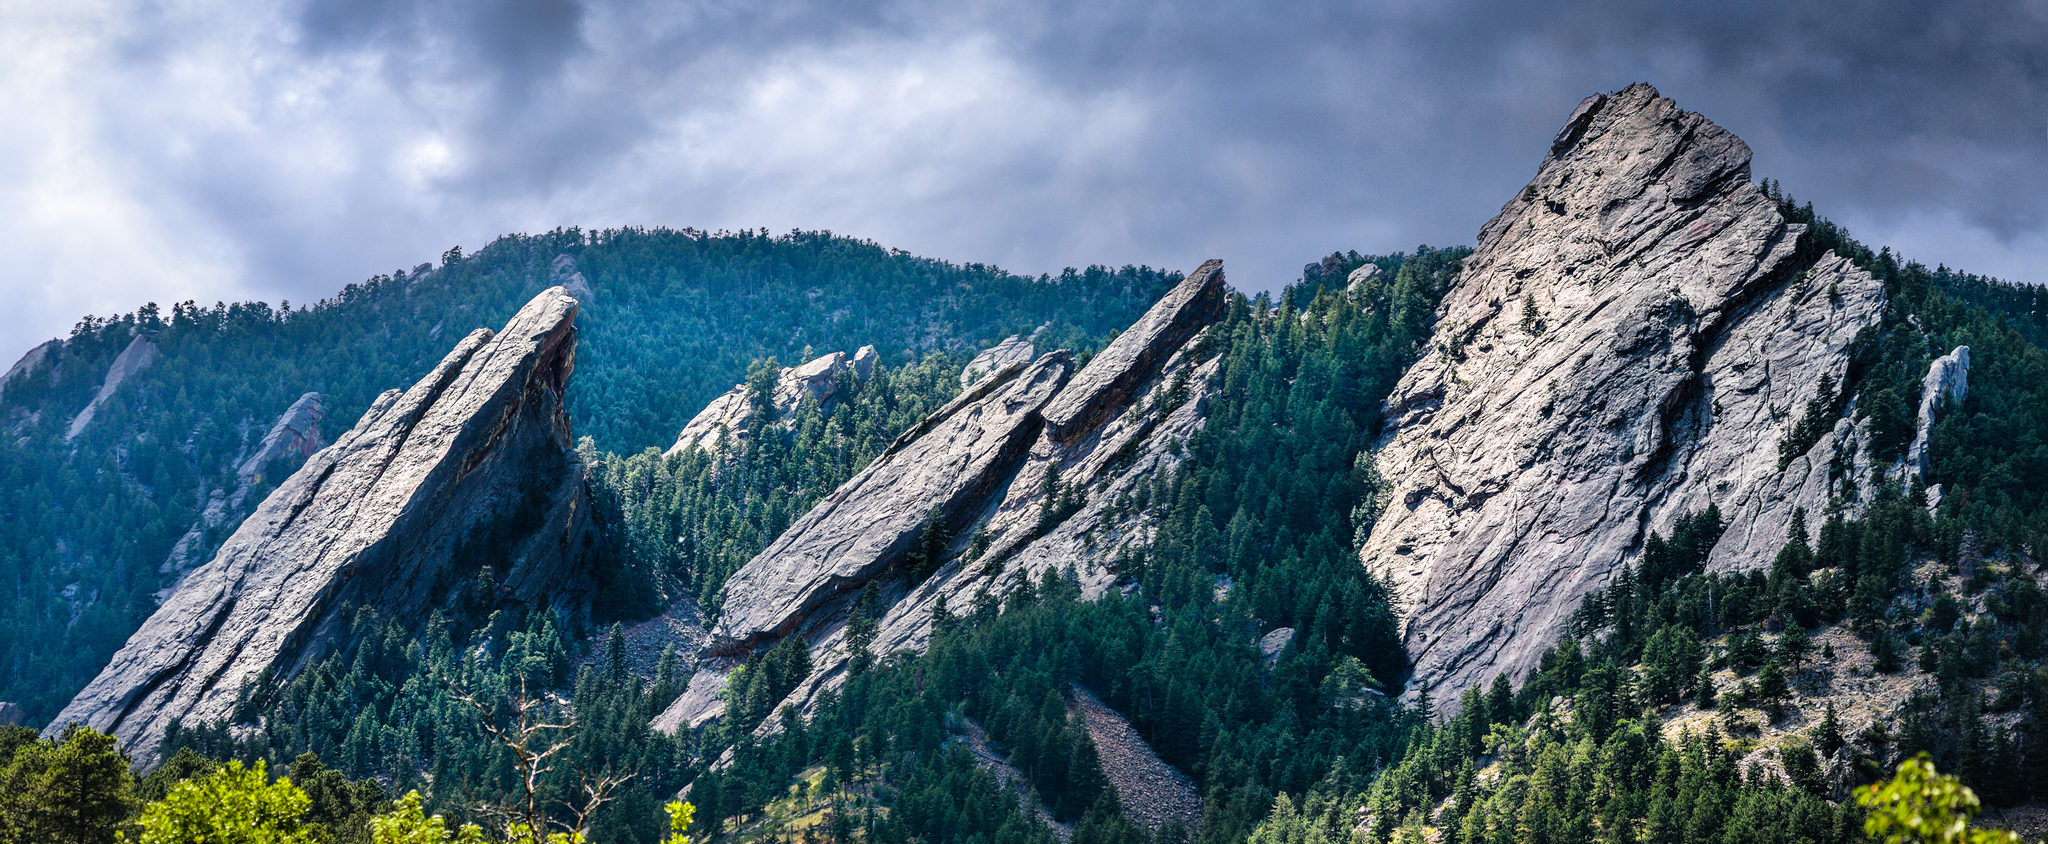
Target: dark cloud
234,151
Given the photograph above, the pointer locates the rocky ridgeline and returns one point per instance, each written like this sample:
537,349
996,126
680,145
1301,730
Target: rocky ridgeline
472,467
1630,342
1017,475
729,417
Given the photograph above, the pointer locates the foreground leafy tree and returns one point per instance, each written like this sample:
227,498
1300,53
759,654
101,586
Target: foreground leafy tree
236,804
1924,806
77,790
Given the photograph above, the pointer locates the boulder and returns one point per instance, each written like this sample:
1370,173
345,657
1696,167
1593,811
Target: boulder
471,468
1677,341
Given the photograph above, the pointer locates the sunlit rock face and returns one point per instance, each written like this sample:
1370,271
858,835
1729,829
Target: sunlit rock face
1629,342
472,469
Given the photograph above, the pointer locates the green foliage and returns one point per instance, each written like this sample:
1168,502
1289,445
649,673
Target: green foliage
236,804
408,823
1924,806
77,790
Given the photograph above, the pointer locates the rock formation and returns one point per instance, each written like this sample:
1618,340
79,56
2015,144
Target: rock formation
136,358
991,478
1013,349
731,415
471,467
1629,343
1945,386
28,362
295,436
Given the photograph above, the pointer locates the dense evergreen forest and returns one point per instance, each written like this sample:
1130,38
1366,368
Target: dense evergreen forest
670,319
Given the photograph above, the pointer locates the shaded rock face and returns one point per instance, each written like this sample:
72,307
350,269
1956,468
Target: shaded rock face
1945,386
1009,497
729,415
294,434
1628,344
471,467
136,358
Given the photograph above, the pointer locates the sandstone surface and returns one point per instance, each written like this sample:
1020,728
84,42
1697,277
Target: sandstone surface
1629,343
1013,349
472,467
1011,501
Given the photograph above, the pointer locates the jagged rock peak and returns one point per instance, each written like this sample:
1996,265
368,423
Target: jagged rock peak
1945,386
477,454
945,469
1624,347
1102,386
729,415
295,434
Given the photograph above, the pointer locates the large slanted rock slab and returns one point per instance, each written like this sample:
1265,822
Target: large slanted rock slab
945,469
1141,405
138,356
472,467
1629,343
1105,383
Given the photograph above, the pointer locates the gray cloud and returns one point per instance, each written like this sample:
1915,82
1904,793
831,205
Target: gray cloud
235,151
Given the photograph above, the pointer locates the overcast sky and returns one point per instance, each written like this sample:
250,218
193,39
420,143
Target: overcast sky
210,151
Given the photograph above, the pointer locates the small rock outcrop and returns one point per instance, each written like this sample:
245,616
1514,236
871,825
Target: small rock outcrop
1630,342
137,357
28,362
1013,349
472,467
988,480
1944,387
730,415
295,436
563,273
11,714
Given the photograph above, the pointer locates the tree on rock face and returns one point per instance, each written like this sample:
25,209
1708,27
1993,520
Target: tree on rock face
77,790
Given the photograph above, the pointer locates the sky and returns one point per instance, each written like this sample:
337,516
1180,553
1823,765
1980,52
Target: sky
211,151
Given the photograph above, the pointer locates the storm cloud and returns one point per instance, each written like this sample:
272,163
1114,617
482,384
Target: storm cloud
211,151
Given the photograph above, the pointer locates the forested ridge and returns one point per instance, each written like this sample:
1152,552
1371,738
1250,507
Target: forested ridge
672,318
